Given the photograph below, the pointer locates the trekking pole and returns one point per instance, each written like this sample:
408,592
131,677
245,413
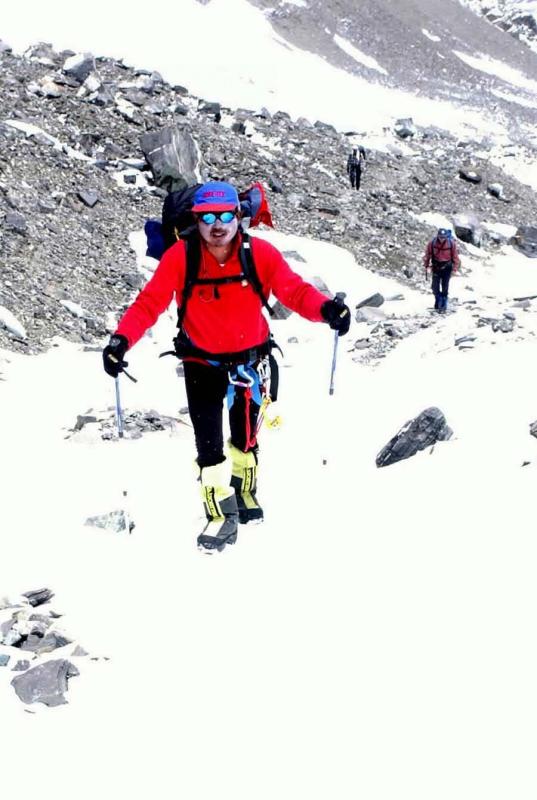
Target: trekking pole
339,298
119,417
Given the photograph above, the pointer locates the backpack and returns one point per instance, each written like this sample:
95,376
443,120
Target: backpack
178,221
441,264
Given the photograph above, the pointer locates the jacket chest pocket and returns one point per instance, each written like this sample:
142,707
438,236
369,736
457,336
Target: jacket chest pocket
211,292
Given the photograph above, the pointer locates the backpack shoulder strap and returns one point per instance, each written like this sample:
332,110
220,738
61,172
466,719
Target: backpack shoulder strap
248,267
192,263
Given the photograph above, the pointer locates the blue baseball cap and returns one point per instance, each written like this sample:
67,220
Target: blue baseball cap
215,196
444,233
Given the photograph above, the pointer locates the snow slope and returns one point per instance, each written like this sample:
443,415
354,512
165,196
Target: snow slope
372,638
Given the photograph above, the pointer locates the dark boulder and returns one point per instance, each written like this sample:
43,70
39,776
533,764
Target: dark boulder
468,229
173,157
374,301
470,176
423,431
525,240
405,128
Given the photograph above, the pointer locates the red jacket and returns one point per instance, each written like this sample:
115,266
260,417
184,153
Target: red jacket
230,319
442,252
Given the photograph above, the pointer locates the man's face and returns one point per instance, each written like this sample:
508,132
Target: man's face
217,233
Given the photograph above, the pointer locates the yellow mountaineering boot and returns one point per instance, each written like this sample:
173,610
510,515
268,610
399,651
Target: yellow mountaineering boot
244,481
220,505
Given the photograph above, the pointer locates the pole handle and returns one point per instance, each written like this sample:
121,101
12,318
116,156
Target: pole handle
340,300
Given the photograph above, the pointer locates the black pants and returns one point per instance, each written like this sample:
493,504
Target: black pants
206,389
440,287
356,176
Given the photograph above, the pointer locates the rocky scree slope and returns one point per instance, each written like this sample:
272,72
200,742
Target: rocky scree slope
518,18
74,183
417,46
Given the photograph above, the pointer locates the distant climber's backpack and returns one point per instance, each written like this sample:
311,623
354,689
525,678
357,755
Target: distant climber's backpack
438,265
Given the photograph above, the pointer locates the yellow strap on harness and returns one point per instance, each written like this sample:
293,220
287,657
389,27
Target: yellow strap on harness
271,420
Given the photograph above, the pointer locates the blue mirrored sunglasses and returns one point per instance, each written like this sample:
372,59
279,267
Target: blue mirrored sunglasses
210,217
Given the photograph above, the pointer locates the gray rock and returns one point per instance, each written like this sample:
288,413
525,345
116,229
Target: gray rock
275,185
417,434
82,420
468,338
46,683
525,240
13,638
4,659
173,157
533,429
180,108
405,128
153,107
116,521
325,128
137,98
37,597
79,66
505,325
89,199
294,255
79,652
44,644
468,229
393,331
209,107
374,301
21,665
15,222
470,176
281,311
496,190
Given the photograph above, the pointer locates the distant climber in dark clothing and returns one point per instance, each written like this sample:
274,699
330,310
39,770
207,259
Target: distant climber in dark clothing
355,164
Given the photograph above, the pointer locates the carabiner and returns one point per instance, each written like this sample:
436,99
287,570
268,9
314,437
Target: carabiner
248,379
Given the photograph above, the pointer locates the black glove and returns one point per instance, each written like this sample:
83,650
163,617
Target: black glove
338,316
114,353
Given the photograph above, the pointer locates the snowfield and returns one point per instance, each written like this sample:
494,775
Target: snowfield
378,616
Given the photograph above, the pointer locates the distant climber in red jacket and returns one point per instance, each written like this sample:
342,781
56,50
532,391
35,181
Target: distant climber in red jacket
442,256
225,347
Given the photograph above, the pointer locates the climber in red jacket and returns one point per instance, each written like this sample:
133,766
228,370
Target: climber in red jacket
442,256
224,342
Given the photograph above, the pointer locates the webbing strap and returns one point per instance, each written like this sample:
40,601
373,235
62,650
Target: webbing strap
193,258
